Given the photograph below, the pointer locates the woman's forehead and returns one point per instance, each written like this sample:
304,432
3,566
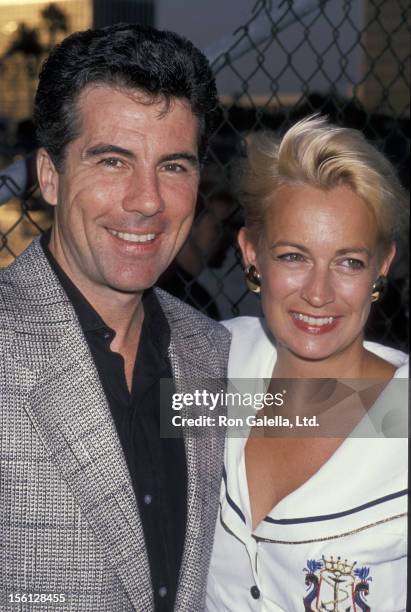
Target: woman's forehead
324,215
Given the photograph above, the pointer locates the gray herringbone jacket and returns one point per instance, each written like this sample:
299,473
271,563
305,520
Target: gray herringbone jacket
69,522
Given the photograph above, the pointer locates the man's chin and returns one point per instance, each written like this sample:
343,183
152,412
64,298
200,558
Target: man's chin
132,286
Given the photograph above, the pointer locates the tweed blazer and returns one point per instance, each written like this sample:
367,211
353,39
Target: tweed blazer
69,521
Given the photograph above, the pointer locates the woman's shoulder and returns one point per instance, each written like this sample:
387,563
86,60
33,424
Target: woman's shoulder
253,351
249,331
244,325
397,358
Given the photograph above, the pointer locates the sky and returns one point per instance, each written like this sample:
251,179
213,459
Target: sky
206,22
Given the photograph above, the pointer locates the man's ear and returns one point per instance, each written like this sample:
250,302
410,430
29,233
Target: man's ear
47,176
387,261
247,247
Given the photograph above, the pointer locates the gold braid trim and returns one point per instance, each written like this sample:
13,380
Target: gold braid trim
333,537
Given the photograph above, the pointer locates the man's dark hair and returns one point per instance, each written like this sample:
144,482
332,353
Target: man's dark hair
161,64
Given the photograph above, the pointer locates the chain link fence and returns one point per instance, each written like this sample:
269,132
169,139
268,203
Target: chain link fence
355,70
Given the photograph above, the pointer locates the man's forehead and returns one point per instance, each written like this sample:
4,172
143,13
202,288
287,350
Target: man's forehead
127,122
111,94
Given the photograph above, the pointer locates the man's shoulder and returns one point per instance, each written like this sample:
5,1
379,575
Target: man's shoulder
12,281
28,285
24,265
179,313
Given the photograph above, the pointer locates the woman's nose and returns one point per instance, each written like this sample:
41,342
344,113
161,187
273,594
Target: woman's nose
318,288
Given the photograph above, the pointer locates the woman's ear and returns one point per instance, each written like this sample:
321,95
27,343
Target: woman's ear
387,261
247,247
48,177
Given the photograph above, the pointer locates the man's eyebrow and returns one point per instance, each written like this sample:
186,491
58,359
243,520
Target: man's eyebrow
102,149
183,155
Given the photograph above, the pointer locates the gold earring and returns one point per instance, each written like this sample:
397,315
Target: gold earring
252,278
378,288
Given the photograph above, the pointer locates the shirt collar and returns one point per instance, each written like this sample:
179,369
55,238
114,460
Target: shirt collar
155,322
88,318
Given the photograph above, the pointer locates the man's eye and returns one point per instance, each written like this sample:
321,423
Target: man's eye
292,257
172,167
111,162
353,264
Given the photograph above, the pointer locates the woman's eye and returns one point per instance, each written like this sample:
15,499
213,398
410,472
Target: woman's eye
292,257
353,264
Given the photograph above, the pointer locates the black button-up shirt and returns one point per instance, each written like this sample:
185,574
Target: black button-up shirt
157,465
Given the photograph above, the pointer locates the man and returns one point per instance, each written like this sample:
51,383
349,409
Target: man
99,512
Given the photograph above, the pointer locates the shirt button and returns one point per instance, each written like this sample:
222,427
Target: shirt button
162,591
255,592
147,500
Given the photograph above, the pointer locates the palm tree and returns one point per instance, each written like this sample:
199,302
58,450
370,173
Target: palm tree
56,20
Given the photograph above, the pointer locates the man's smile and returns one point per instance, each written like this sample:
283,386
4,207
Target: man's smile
132,237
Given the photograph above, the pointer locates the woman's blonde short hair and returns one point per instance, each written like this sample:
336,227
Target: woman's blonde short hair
316,153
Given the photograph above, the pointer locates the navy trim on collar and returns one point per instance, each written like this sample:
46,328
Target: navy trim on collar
230,501
329,517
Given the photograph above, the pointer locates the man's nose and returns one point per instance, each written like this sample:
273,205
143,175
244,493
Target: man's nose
142,194
318,287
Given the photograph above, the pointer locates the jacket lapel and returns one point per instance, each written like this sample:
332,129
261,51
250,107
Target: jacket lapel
197,360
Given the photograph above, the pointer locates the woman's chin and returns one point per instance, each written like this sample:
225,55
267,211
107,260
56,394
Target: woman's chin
313,351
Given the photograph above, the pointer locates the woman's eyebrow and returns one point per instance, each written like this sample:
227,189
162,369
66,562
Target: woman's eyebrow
354,249
284,243
300,247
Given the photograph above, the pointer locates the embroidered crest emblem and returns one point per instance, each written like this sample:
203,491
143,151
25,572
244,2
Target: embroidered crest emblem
334,585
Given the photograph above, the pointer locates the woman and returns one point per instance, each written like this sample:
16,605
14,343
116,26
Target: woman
315,523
